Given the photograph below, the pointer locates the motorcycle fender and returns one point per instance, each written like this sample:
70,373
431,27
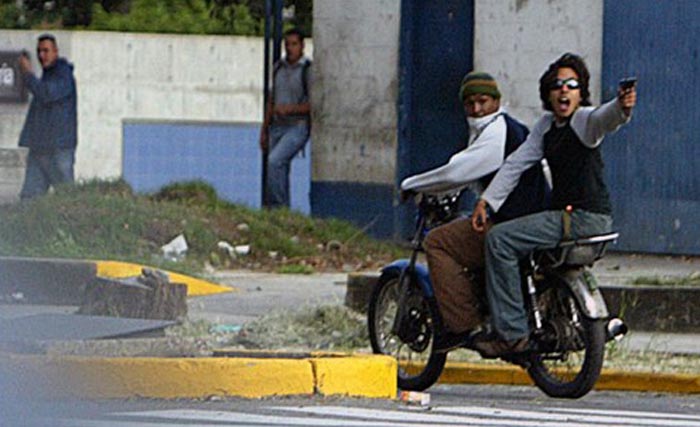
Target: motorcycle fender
585,289
421,274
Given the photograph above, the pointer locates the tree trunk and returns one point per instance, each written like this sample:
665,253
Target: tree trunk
149,296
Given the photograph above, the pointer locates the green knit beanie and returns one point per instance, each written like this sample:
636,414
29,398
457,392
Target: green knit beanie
478,82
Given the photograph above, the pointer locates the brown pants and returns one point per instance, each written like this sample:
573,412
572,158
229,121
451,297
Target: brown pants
454,252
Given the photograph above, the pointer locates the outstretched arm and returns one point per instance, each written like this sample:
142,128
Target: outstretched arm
592,124
484,156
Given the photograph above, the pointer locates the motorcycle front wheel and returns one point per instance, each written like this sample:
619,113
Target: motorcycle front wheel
571,365
418,366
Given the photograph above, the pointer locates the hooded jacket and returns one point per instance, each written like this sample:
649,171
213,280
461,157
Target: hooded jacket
52,120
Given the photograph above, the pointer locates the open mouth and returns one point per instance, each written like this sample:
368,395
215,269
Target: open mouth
563,103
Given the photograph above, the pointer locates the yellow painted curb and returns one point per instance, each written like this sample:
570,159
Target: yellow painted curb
641,381
610,379
368,376
164,377
474,373
195,287
169,378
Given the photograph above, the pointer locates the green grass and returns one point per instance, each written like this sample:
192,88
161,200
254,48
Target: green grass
295,269
106,220
689,280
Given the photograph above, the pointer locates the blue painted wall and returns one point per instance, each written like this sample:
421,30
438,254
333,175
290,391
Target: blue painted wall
225,155
436,44
437,39
368,206
653,164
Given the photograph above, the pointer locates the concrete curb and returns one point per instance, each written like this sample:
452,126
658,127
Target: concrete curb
370,376
63,281
271,374
610,379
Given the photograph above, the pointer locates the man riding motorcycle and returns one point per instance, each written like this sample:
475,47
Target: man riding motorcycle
568,136
455,250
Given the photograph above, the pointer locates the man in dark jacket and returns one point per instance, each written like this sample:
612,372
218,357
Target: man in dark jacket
50,130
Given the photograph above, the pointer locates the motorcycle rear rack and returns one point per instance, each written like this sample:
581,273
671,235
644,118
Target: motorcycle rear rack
577,252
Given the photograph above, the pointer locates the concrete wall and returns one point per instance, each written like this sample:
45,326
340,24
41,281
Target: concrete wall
355,90
355,97
516,40
127,76
153,77
356,71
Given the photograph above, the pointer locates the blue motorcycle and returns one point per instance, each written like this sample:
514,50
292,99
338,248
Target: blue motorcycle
569,320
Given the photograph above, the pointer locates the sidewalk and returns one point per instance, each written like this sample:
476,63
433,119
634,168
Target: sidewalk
620,268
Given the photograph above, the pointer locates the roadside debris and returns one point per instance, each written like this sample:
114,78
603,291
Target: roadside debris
416,397
176,249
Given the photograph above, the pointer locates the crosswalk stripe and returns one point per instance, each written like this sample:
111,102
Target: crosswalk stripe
643,414
337,416
241,417
121,423
551,414
427,417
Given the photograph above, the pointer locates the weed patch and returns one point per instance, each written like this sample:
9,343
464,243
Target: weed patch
331,327
107,220
689,280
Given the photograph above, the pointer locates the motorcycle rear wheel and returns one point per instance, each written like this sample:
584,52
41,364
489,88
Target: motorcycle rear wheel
572,369
419,367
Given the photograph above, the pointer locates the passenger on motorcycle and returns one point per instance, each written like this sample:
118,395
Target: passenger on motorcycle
455,250
568,136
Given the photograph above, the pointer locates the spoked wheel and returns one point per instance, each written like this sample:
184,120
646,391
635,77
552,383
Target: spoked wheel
573,347
411,344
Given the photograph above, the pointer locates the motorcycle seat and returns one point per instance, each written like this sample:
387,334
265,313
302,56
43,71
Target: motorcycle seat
575,252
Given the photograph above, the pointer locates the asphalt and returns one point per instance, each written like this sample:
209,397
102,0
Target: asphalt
233,298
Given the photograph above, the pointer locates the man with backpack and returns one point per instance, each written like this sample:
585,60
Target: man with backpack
455,250
287,118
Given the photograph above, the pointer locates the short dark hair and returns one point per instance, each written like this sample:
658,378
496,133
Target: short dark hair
49,37
294,32
567,60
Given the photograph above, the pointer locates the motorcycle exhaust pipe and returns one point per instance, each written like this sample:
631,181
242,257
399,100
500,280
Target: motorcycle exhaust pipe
616,329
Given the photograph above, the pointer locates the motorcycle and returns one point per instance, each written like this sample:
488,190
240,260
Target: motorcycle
569,319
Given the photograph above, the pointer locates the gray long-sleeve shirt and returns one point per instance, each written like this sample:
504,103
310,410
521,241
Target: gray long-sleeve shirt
483,155
590,124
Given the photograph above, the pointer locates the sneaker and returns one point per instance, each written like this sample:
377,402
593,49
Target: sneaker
491,349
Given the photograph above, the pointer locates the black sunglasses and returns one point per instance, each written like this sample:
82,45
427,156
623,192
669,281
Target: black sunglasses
570,83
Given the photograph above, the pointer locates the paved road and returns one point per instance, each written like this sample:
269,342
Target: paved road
450,406
260,293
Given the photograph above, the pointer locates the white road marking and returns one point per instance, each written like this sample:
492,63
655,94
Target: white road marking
122,423
242,417
644,414
340,416
429,417
591,417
